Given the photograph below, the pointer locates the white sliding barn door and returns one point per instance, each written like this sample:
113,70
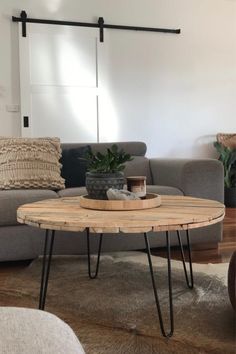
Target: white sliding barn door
59,83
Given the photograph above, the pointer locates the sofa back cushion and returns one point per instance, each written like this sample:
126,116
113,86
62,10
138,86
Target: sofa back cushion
139,166
74,167
30,163
134,148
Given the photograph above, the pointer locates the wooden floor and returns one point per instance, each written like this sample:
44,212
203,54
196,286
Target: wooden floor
220,254
226,247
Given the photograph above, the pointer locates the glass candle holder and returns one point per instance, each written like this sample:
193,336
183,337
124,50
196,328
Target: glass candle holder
137,185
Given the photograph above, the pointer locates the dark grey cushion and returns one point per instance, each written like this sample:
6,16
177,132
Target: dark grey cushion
74,166
10,200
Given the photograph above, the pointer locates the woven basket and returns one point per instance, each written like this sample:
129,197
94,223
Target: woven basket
228,140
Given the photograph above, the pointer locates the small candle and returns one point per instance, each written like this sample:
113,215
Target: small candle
137,185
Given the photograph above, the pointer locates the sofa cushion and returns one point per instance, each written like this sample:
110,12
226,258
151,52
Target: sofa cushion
74,166
72,192
165,190
139,166
31,331
10,200
30,163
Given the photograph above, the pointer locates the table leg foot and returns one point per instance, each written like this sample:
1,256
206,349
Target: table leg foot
49,241
171,315
189,282
93,276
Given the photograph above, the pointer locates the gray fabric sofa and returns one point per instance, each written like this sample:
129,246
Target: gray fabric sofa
199,178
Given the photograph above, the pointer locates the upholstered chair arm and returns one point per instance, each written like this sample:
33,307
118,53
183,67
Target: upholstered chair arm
203,178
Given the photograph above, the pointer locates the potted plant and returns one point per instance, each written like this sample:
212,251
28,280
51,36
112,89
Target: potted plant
228,158
105,171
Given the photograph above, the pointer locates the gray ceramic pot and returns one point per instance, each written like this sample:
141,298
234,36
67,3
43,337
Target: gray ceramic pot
98,183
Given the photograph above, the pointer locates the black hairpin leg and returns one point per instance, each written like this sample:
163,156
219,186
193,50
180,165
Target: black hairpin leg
164,333
190,283
49,240
98,256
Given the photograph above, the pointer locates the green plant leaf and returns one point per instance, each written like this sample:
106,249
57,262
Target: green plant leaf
228,157
111,161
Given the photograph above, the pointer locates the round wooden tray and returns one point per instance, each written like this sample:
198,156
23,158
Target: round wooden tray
152,201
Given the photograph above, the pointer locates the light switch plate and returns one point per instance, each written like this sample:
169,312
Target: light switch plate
12,107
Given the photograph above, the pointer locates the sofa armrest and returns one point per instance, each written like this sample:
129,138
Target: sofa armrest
203,178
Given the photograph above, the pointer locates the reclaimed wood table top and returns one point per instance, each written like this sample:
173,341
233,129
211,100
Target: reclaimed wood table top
175,213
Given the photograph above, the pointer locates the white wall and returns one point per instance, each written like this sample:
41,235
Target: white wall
185,90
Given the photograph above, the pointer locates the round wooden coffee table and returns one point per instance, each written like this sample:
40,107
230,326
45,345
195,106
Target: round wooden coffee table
175,213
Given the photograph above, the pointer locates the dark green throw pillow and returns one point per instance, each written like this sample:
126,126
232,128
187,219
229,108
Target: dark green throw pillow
74,166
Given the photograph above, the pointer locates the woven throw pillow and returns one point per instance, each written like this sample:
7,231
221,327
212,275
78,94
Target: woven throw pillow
31,163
